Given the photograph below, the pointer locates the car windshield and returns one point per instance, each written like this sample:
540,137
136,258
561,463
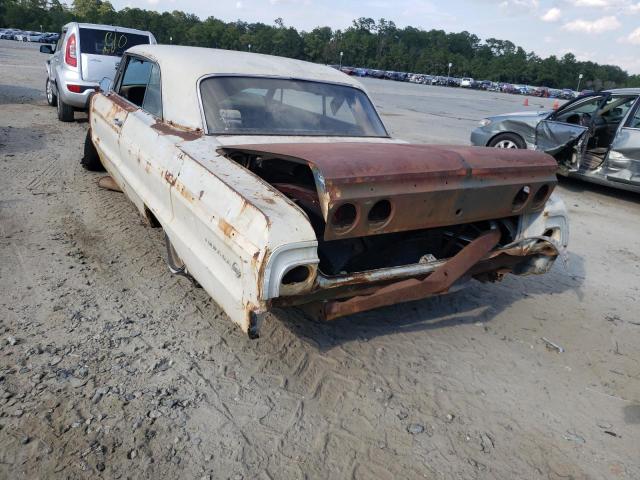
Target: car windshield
273,106
109,42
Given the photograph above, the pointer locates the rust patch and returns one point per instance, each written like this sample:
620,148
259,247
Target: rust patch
122,103
226,228
167,129
428,186
184,191
171,180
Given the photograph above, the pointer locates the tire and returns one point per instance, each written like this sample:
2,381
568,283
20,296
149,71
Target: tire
507,140
52,98
65,112
91,160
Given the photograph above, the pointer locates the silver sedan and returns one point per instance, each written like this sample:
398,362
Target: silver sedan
595,137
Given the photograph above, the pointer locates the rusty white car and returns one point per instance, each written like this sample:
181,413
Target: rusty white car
277,185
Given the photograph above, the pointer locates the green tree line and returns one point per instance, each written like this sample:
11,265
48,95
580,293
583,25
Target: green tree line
366,43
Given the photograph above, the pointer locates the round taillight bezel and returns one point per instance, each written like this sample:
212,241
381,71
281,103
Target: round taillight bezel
344,218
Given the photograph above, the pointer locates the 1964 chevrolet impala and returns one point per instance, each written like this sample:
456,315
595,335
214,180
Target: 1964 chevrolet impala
277,185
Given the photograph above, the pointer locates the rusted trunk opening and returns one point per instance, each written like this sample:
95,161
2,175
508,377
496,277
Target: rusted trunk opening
369,252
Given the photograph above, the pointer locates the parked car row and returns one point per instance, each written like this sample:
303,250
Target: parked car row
28,36
464,82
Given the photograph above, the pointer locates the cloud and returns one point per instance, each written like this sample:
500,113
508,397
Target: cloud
599,3
552,15
591,3
518,6
634,37
238,4
603,24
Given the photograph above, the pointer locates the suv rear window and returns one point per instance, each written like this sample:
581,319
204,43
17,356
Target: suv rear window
109,42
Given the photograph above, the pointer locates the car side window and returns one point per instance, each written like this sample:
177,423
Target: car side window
60,41
152,102
135,78
634,120
616,108
572,113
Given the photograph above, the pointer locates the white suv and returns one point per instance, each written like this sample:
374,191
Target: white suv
84,55
466,82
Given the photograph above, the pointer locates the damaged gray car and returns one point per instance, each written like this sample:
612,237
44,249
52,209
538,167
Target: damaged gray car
595,137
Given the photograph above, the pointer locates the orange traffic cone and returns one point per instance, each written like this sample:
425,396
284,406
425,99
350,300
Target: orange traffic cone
556,105
526,102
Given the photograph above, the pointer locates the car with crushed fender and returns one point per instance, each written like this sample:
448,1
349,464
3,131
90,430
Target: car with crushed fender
278,186
595,137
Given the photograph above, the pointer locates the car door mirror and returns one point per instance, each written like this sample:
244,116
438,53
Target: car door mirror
106,84
46,49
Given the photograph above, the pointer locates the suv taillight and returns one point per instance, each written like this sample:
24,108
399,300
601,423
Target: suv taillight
70,57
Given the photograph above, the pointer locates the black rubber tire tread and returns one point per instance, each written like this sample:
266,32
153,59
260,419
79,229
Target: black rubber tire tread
65,112
91,160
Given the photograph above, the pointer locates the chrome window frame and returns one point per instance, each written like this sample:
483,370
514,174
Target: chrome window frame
120,75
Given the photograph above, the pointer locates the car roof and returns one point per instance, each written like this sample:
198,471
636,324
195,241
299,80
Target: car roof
98,26
182,67
629,91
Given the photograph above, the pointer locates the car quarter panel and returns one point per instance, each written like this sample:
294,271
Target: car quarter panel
624,158
235,233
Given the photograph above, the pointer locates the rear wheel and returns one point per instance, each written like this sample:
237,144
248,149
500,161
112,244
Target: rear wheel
507,140
65,112
91,159
52,99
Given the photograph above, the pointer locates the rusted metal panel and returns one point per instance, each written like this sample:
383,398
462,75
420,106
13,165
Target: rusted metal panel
413,289
428,186
165,128
492,267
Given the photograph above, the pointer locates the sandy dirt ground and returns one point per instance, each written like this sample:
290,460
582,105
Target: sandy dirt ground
110,367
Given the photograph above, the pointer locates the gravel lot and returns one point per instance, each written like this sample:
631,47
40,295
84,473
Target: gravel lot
112,368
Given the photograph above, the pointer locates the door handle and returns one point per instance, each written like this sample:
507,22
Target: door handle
117,122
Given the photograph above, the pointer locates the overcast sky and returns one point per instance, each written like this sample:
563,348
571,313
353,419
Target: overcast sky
604,31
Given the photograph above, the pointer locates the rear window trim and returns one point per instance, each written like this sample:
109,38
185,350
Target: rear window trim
205,127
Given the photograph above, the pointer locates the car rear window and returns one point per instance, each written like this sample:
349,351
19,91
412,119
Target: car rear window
285,106
109,42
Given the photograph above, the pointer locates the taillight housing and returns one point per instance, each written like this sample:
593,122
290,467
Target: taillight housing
70,56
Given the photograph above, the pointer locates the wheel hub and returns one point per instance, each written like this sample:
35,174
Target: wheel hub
506,144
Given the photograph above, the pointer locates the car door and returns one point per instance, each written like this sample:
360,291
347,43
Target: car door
56,59
150,161
107,115
564,133
623,161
